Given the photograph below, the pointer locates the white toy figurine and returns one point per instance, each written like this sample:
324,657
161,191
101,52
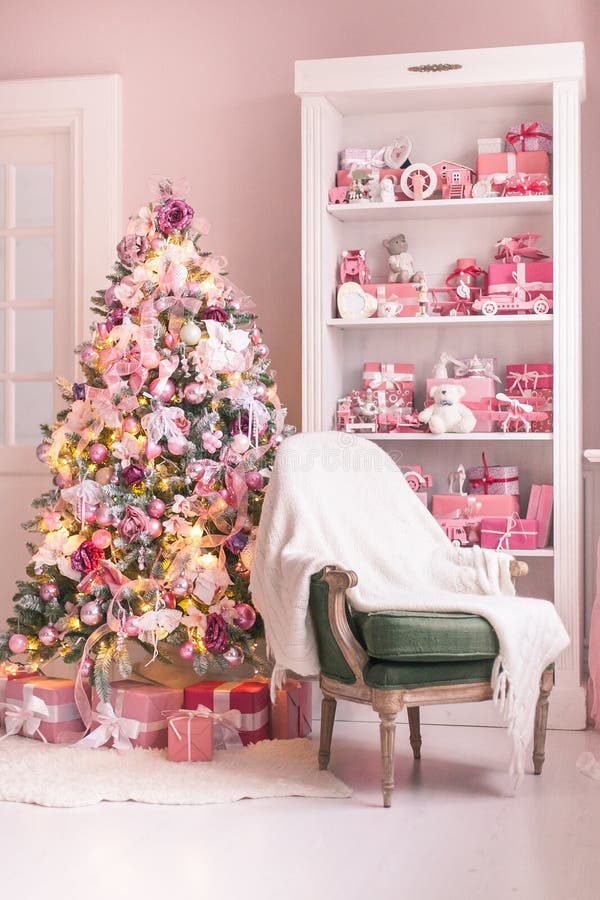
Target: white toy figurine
440,369
457,478
402,267
387,190
447,413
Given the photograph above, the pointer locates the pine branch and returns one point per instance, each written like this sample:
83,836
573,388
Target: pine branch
102,669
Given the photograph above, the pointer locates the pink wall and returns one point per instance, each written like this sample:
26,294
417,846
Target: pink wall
208,93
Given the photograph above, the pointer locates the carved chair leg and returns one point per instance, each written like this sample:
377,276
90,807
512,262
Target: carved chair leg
387,732
541,721
327,718
414,724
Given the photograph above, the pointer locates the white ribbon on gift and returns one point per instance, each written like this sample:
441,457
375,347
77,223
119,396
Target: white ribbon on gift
248,721
26,716
511,528
226,726
519,287
386,379
110,725
521,379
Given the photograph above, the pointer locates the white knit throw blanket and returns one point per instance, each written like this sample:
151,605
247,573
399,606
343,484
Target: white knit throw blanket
339,499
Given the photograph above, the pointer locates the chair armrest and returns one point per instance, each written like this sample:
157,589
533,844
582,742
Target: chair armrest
338,581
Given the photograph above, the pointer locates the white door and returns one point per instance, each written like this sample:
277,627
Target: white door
59,206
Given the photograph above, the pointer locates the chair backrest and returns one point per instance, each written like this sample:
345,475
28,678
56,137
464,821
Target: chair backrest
331,660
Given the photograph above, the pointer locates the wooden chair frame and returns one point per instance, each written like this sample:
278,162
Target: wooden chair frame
388,703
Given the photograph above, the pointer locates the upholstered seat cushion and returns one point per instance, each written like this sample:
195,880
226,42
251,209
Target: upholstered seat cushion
413,637
394,675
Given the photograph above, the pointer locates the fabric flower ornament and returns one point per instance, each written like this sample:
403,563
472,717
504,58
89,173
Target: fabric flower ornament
133,523
51,520
142,224
56,550
132,249
226,349
225,607
178,526
186,506
215,313
215,637
194,618
174,215
207,575
84,497
133,474
127,448
128,292
165,421
86,558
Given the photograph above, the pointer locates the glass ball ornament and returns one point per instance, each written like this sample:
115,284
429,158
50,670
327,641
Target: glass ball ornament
156,508
234,656
194,392
49,591
63,480
89,515
170,340
169,599
180,586
103,476
104,515
85,666
98,453
17,643
245,616
187,650
240,443
262,351
190,334
255,481
152,359
88,356
256,336
131,425
101,539
154,528
48,635
90,613
162,389
132,626
177,446
41,451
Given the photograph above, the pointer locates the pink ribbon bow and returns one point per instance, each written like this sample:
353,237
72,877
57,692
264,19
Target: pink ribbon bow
525,131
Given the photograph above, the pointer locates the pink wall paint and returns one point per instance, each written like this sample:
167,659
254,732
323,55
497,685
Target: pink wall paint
208,93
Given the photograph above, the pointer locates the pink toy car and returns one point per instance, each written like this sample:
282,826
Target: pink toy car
415,478
338,195
512,304
353,267
461,532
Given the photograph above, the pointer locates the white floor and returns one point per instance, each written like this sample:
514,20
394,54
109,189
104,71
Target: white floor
453,833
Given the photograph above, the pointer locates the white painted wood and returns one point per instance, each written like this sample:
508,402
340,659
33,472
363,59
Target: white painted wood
365,102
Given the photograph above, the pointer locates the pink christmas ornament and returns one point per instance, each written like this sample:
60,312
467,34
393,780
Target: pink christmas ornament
255,336
48,635
98,453
194,392
90,613
89,515
187,650
254,480
131,425
240,443
162,389
62,480
245,616
101,538
180,586
41,451
152,450
234,656
103,476
104,515
86,666
154,528
169,598
156,508
49,591
262,351
151,359
131,626
177,446
170,341
226,496
17,643
88,355
211,441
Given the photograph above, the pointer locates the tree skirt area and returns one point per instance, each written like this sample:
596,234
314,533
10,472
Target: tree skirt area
53,775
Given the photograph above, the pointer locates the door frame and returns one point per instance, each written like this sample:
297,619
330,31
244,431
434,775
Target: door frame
88,110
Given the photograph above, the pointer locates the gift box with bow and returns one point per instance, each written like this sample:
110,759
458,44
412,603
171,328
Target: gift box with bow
499,166
526,280
42,708
510,533
133,716
291,713
9,672
250,698
396,379
190,736
530,136
527,379
493,479
473,506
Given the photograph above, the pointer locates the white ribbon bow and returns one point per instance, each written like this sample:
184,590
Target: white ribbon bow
162,423
28,717
121,730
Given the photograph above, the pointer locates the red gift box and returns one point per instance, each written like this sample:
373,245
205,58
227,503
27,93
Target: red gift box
510,533
541,500
527,162
473,506
190,736
527,280
493,479
251,698
477,388
530,136
141,708
291,713
529,378
42,708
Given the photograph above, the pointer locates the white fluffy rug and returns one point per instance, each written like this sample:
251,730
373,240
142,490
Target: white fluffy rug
51,775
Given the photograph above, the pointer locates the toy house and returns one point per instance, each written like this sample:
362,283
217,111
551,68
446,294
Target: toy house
455,179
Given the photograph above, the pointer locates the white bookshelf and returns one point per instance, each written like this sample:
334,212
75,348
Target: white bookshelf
367,101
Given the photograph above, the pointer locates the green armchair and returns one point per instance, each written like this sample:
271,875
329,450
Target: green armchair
390,660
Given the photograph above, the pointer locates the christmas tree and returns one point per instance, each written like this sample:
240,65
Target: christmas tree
159,464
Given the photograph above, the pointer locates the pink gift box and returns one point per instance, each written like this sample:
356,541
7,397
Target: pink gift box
404,294
525,161
530,136
395,377
478,505
251,698
190,737
6,675
541,500
527,378
145,704
493,479
61,717
511,533
527,279
291,713
478,388
402,420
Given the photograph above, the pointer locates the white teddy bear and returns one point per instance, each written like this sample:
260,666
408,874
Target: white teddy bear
447,413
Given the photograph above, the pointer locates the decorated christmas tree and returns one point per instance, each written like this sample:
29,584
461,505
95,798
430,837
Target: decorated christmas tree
159,463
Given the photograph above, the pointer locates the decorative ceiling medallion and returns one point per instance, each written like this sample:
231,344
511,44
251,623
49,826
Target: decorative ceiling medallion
435,67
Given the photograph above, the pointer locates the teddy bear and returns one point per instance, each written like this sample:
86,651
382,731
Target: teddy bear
447,413
402,267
